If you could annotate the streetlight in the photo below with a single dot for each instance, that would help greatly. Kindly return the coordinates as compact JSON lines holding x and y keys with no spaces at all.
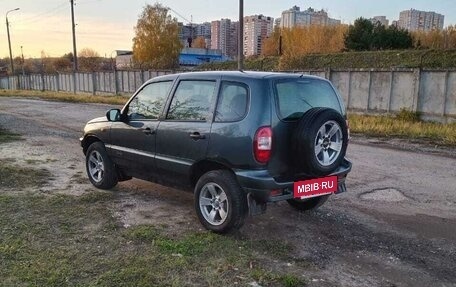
{"x":9,"y":40}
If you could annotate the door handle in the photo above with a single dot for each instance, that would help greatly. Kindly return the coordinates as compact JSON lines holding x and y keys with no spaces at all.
{"x":197,"y":136}
{"x":148,"y":131}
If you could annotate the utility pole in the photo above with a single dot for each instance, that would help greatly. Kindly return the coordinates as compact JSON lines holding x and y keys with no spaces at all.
{"x":73,"y":27}
{"x":75,"y":52}
{"x":23,"y":62}
{"x":241,"y":36}
{"x":9,"y":41}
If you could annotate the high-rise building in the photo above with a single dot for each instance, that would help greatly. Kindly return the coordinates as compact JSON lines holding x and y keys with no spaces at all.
{"x":295,"y":17}
{"x":204,"y":30}
{"x":186,"y":34}
{"x":256,"y":29}
{"x":189,"y":32}
{"x":224,"y":35}
{"x":415,"y":20}
{"x":380,"y":19}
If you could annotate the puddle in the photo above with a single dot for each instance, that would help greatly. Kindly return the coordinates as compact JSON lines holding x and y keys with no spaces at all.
{"x":384,"y":194}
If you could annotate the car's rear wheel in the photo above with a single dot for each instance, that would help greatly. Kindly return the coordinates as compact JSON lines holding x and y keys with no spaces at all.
{"x":220,"y":203}
{"x":308,"y":204}
{"x":100,"y":169}
{"x":320,"y":141}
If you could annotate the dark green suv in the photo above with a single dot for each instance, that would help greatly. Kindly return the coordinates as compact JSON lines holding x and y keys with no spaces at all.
{"x":237,"y":139}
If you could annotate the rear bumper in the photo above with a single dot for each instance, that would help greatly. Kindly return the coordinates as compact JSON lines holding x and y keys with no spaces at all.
{"x":260,"y":183}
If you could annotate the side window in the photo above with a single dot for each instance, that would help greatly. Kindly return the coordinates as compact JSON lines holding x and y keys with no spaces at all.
{"x":149,"y":102}
{"x":191,"y":101}
{"x":232,"y":103}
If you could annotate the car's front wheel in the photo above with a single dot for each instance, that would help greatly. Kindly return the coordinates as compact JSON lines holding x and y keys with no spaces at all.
{"x":220,"y":203}
{"x":100,"y":169}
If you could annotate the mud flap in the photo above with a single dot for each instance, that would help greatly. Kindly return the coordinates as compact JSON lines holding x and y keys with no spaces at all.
{"x":255,"y":208}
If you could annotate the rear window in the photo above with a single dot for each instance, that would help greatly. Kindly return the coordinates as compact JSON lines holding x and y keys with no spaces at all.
{"x":297,"y":96}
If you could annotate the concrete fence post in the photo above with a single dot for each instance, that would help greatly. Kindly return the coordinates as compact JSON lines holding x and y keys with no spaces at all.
{"x":142,"y":77}
{"x":94,"y":83}
{"x":74,"y":83}
{"x":116,"y":82}
{"x":417,"y":89}
{"x":328,"y":74}
{"x":43,"y":88}
{"x":369,"y":88}
{"x":57,"y":82}
{"x":349,"y":88}
{"x":446,"y":89}
{"x":391,"y":90}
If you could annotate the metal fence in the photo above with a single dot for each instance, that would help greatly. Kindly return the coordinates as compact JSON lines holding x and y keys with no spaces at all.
{"x":431,"y":92}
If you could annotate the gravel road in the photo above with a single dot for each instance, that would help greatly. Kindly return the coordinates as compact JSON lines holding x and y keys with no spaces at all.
{"x":396,"y":225}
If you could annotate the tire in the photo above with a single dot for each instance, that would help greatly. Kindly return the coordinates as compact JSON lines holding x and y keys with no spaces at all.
{"x":308,"y":204}
{"x":319,"y":142}
{"x":101,"y":170}
{"x":220,"y":203}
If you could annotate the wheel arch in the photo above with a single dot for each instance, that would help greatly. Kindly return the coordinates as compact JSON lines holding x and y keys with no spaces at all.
{"x":87,"y":141}
{"x":202,"y":167}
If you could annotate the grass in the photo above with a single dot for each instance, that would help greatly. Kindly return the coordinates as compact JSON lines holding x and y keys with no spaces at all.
{"x":16,"y":176}
{"x":435,"y":59}
{"x":19,"y":177}
{"x":405,"y":125}
{"x":62,"y":240}
{"x":66,"y":97}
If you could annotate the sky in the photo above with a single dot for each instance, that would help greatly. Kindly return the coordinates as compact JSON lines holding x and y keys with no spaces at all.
{"x":44,"y":26}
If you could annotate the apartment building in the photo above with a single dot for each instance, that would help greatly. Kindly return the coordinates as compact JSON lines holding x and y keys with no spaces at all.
{"x":380,"y":19}
{"x":415,"y":20}
{"x":256,"y":29}
{"x":295,"y":17}
{"x":224,"y":36}
{"x":189,"y":32}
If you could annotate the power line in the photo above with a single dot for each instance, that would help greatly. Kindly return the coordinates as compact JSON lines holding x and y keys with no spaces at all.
{"x":40,"y":16}
{"x":178,"y":14}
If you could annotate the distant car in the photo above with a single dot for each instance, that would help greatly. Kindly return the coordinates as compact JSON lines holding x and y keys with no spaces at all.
{"x":239,"y":140}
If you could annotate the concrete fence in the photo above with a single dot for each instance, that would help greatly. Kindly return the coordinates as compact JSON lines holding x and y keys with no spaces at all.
{"x":116,"y":82}
{"x":431,"y":92}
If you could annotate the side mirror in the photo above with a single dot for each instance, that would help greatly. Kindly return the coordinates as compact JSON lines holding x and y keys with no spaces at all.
{"x":113,"y":115}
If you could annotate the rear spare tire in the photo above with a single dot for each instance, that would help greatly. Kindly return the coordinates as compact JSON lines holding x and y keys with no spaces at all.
{"x":319,"y":142}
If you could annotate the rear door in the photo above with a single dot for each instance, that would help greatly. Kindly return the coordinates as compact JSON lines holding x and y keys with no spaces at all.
{"x":133,"y":140}
{"x":184,"y":134}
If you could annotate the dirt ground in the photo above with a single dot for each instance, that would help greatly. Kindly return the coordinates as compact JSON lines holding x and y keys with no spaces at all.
{"x":396,"y":225}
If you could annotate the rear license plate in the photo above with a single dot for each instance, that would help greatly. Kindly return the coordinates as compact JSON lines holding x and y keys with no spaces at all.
{"x":315,"y":187}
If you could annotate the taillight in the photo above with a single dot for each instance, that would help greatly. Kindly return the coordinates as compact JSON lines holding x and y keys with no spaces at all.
{"x":262,"y":144}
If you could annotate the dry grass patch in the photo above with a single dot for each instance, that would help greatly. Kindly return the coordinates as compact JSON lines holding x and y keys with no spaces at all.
{"x":404,"y":127}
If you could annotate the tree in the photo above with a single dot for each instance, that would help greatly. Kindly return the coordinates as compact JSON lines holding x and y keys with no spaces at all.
{"x":199,"y":43}
{"x":436,"y":39}
{"x":89,"y":60}
{"x":300,"y":41}
{"x":156,"y":44}
{"x":63,"y":64}
{"x":365,"y":36}
{"x":272,"y":43}
{"x":360,"y":35}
